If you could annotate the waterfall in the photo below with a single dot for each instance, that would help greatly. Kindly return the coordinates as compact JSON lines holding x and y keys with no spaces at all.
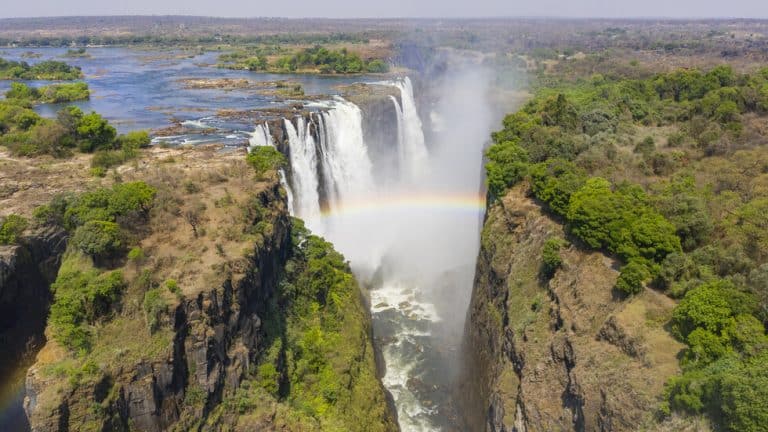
{"x":261,"y":137}
{"x":414,"y":155}
{"x":383,"y":231}
{"x":305,"y":188}
{"x":346,"y":161}
{"x":401,"y":157}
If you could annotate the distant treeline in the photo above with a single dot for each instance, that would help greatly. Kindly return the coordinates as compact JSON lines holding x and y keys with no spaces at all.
{"x":139,"y":39}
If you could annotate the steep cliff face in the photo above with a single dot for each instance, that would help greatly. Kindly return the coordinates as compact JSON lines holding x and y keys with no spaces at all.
{"x":185,"y":359}
{"x":26,"y":273}
{"x":563,"y":353}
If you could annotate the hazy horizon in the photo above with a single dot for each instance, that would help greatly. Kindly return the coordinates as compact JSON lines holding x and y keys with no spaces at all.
{"x":685,"y":9}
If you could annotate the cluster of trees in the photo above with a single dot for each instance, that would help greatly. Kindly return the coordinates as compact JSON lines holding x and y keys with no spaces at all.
{"x":692,"y":223}
{"x":99,"y":222}
{"x":317,"y":58}
{"x":55,"y":93}
{"x":26,"y":133}
{"x":45,"y":70}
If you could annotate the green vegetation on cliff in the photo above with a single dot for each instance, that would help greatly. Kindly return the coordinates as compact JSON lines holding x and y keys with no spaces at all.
{"x":318,"y":364}
{"x":85,"y":290}
{"x":47,"y":70}
{"x":668,"y":174}
{"x":11,"y":228}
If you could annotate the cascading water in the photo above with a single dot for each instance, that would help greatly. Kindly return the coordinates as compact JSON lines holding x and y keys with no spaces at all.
{"x":413,"y":150}
{"x":306,"y":196}
{"x":400,"y":236}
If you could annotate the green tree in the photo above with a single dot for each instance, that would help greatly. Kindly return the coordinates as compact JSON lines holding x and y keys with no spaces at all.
{"x":550,"y":256}
{"x":266,"y":158}
{"x":633,"y":277}
{"x":11,"y":228}
{"x":95,"y":133}
{"x":507,"y":165}
{"x":98,"y":239}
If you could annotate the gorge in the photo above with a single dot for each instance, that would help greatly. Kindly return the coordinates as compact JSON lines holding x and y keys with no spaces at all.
{"x":471,"y":225}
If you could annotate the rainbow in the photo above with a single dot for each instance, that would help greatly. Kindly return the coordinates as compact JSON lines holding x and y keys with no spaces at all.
{"x":409,"y":202}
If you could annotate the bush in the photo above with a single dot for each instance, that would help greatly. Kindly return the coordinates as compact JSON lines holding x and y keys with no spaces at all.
{"x":172,"y":286}
{"x":550,"y":256}
{"x":136,"y":254}
{"x":98,"y":239}
{"x":82,"y":296}
{"x":620,"y":221}
{"x":155,"y":306}
{"x":507,"y":165}
{"x":555,"y":181}
{"x":633,"y":277}
{"x":377,"y":66}
{"x":11,"y":228}
{"x":266,"y":158}
{"x":710,"y":307}
{"x":95,"y":133}
{"x":133,"y":140}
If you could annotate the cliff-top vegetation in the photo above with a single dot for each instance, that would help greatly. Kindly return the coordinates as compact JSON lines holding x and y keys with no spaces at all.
{"x":668,"y":174}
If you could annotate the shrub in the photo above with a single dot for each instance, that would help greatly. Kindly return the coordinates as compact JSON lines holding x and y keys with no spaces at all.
{"x":11,"y":228}
{"x":98,"y":239}
{"x":82,"y":296}
{"x":95,"y":133}
{"x":377,"y":66}
{"x":710,"y":306}
{"x":133,"y":141}
{"x":269,"y":378}
{"x":266,"y":158}
{"x":132,"y":197}
{"x":172,"y":286}
{"x":620,"y":221}
{"x":507,"y":164}
{"x":550,"y":256}
{"x":555,"y":181}
{"x":136,"y":254}
{"x":155,"y":305}
{"x":633,"y":277}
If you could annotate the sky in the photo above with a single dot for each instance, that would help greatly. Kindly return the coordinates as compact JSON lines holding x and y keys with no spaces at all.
{"x":392,"y":8}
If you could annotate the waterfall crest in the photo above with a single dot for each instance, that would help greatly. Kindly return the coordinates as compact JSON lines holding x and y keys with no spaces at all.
{"x":413,"y":150}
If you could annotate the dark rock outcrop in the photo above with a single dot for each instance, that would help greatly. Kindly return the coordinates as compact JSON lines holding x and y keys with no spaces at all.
{"x":26,"y":273}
